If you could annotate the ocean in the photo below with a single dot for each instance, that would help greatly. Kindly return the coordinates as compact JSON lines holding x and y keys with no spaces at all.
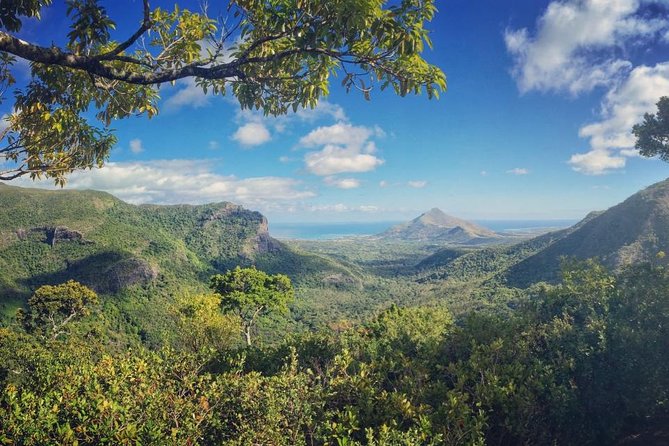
{"x":333,"y":231}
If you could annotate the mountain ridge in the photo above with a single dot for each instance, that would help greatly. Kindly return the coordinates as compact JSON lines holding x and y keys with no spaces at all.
{"x":633,"y":231}
{"x":50,"y":236}
{"x":437,"y":226}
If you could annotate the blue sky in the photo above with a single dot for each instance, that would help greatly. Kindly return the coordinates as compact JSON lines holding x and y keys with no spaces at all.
{"x":534,"y":125}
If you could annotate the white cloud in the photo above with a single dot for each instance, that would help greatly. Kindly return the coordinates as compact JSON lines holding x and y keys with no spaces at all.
{"x":252,"y":134}
{"x":574,"y":44}
{"x":340,"y":208}
{"x":324,"y":110}
{"x":333,"y":160}
{"x":484,"y":173}
{"x":340,"y":134}
{"x":596,"y":162}
{"x":342,"y":183}
{"x":213,"y":145}
{"x":180,"y":181}
{"x":187,"y":95}
{"x":518,"y":171}
{"x":383,"y":183}
{"x":611,"y":140}
{"x":418,"y":184}
{"x":136,"y":146}
{"x":345,"y":148}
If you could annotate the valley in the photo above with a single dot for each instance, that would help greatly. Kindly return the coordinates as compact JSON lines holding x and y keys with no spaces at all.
{"x":392,"y":316}
{"x":125,"y":251}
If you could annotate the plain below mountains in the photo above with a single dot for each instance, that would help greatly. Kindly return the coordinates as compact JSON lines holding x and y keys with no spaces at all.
{"x":634,"y":231}
{"x":435,"y":226}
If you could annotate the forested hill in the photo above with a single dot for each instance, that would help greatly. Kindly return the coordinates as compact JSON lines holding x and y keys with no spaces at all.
{"x":48,"y":237}
{"x":634,"y":231}
{"x":436,"y":226}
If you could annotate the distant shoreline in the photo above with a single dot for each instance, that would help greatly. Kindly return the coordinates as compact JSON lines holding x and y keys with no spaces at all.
{"x":345,"y":230}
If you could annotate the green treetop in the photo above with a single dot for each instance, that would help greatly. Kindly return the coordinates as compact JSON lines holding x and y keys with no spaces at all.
{"x":53,"y":307}
{"x":250,"y":293}
{"x":652,"y":136}
{"x":272,"y":55}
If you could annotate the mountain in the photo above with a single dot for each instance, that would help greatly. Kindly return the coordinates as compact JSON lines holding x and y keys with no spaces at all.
{"x":633,"y":231}
{"x":436,"y":226}
{"x":48,"y":237}
{"x":488,"y":264}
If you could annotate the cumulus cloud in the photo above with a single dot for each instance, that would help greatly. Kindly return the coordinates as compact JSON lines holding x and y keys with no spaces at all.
{"x":518,"y":171}
{"x":611,"y":140}
{"x":573,"y":48}
{"x":324,"y":109}
{"x":188,"y":95}
{"x":332,"y":160}
{"x":342,"y":183}
{"x":418,"y":184}
{"x":345,"y":148}
{"x":255,"y":128}
{"x":252,"y":134}
{"x":596,"y":162}
{"x":340,"y":208}
{"x":136,"y":146}
{"x":181,"y":181}
{"x":280,"y":124}
{"x":340,"y":134}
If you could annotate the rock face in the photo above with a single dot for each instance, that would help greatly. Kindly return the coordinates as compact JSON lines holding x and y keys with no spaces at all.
{"x":62,"y":234}
{"x":52,"y":234}
{"x":263,"y":243}
{"x":436,"y":226}
{"x":126,"y":273}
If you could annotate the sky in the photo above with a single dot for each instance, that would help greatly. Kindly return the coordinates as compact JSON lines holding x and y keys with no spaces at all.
{"x":535,"y":124}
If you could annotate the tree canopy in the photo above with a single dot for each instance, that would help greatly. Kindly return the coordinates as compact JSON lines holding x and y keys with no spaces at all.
{"x":272,"y":55}
{"x":652,"y":135}
{"x":250,"y":293}
{"x":53,"y":307}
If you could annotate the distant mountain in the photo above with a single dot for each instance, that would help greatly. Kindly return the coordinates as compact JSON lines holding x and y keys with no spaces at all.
{"x":48,"y":237}
{"x":436,"y":226}
{"x":488,"y":264}
{"x":635,"y":230}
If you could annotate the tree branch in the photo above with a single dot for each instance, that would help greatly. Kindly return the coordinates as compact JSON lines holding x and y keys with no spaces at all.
{"x":146,"y":25}
{"x":94,"y":65}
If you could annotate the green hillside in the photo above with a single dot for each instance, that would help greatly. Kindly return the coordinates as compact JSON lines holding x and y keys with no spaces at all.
{"x":120,"y":249}
{"x":631,"y":232}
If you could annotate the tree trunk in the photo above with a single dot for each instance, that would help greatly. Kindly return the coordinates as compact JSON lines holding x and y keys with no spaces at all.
{"x":247,"y":335}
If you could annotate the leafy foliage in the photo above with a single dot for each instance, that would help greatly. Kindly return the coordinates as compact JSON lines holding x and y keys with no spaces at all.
{"x":51,"y":308}
{"x":652,"y":135}
{"x":271,"y":55}
{"x":581,"y":363}
{"x":251,"y":293}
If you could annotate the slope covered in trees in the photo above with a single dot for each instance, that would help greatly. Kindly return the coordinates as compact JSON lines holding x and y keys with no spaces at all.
{"x":580,"y":363}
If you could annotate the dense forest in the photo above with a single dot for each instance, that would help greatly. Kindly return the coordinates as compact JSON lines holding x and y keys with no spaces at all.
{"x":582,"y":362}
{"x":346,"y":342}
{"x":124,"y":324}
